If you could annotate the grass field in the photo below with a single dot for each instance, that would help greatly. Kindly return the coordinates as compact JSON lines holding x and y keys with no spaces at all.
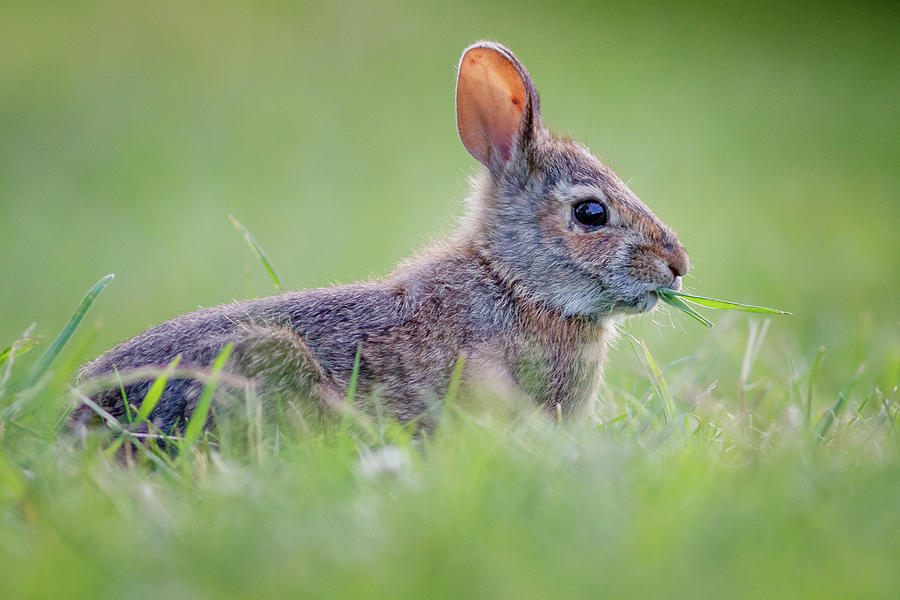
{"x":757,"y":459}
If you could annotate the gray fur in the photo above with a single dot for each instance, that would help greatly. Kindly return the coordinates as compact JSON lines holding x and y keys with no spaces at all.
{"x":527,"y":295}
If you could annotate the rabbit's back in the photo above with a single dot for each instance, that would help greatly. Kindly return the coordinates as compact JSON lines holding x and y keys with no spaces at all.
{"x":409,"y":330}
{"x":330,"y":319}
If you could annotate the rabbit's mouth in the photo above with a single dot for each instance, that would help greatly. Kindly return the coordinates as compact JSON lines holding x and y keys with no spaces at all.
{"x":647,"y":300}
{"x":643,"y":303}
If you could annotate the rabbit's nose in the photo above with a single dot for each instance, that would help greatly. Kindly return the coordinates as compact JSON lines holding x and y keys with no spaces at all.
{"x":678,"y":263}
{"x":676,"y":271}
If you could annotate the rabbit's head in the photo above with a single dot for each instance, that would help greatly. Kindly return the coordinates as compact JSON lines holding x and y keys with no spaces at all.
{"x":548,"y":215}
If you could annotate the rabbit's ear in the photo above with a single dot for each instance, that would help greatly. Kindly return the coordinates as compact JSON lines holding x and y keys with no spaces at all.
{"x":497,"y":106}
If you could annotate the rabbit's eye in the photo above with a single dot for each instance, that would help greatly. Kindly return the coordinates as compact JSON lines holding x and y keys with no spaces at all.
{"x":592,"y":213}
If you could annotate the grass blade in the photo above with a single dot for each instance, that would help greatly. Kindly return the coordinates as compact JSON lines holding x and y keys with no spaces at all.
{"x":813,"y":378}
{"x":672,"y":300}
{"x":751,"y":350}
{"x":46,"y":359}
{"x":257,"y":249}
{"x":351,"y":391}
{"x":455,"y":380}
{"x":828,"y":418}
{"x":128,"y":414}
{"x":13,"y":350}
{"x":198,"y":419}
{"x":659,"y":382}
{"x":156,"y":390}
{"x":354,"y":375}
{"x":726,"y":305}
{"x":11,"y":358}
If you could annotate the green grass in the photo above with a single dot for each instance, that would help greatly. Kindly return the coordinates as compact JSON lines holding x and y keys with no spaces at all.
{"x":756,"y":459}
{"x":675,"y":486}
{"x":257,"y":250}
{"x":677,"y":299}
{"x":41,"y":367}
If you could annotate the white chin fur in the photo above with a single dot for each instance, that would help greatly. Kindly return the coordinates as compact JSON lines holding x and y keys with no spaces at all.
{"x":585,"y":305}
{"x":644,"y":304}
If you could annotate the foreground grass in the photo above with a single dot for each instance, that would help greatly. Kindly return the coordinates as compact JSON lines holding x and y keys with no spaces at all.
{"x":764,"y":485}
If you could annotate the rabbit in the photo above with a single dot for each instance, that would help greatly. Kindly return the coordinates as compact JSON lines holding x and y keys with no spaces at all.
{"x":553,"y":251}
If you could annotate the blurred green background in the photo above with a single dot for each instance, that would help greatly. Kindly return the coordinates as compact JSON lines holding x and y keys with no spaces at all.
{"x":768,"y":137}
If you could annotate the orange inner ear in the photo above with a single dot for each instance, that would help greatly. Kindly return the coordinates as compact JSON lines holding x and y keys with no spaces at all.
{"x":490,"y":98}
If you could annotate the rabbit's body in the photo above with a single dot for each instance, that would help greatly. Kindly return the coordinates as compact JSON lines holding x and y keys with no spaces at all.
{"x":410,"y":328}
{"x":554,"y":247}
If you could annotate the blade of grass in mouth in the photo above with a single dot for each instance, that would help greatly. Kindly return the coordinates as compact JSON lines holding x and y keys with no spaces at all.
{"x":669,"y":298}
{"x":724,"y":304}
